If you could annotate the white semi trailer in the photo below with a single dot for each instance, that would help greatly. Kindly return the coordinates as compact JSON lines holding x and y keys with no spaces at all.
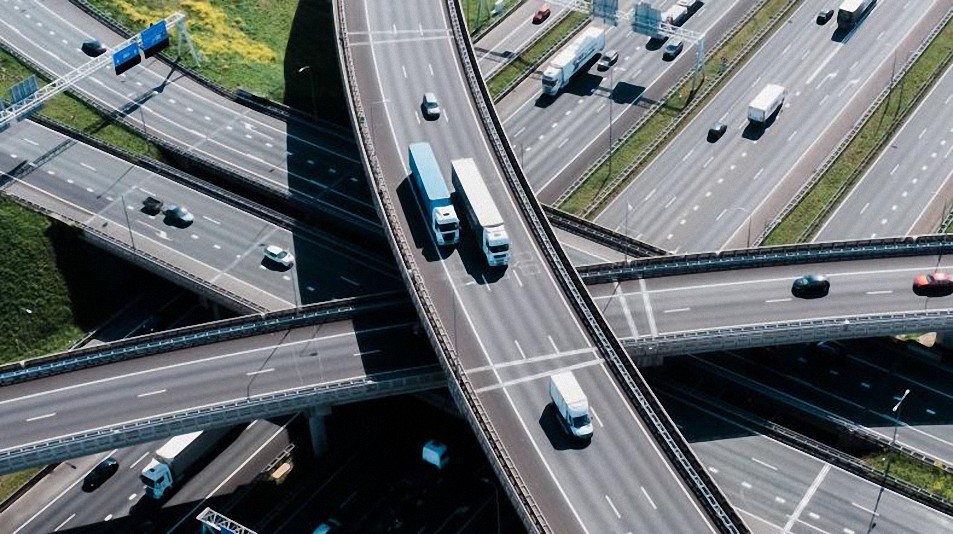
{"x":766,"y":104}
{"x":570,"y":60}
{"x":173,"y":461}
{"x":484,"y":218}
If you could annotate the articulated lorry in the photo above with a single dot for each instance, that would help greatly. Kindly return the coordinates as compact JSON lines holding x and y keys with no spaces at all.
{"x":678,"y":14}
{"x":571,"y":59}
{"x":766,"y":104}
{"x":482,"y":215}
{"x":571,"y":404}
{"x":172,"y":463}
{"x":433,"y":195}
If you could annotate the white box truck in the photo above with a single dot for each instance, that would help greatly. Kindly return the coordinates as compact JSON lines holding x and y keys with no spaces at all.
{"x":485,"y":220}
{"x":569,"y":60}
{"x":172,"y":462}
{"x":571,"y":404}
{"x":766,"y":104}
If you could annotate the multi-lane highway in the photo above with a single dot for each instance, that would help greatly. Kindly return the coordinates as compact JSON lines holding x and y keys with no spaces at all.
{"x":559,"y":138}
{"x":221,"y":248}
{"x":286,"y":157}
{"x":512,"y":329}
{"x":511,"y":35}
{"x":698,"y":195}
{"x":907,"y":188}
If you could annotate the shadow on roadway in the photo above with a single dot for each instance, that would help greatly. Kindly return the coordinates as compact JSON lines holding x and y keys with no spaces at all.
{"x":753,"y":132}
{"x":419,"y":229}
{"x":558,"y":437}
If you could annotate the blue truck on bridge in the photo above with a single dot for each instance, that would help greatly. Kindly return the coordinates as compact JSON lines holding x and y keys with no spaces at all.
{"x":433,"y":196}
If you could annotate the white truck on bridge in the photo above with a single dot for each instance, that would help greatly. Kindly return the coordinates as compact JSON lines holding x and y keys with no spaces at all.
{"x":571,"y":404}
{"x":171,"y":465}
{"x":484,"y":218}
{"x":766,"y":104}
{"x":570,"y":60}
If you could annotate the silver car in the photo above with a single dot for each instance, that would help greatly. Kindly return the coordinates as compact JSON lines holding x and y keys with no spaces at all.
{"x":430,"y":106}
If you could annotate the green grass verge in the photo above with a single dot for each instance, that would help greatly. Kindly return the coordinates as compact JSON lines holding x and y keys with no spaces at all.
{"x":931,"y":479}
{"x":534,"y":54}
{"x":12,"y":482}
{"x":881,"y":126}
{"x":69,"y":110}
{"x":478,"y":18}
{"x":625,"y":154}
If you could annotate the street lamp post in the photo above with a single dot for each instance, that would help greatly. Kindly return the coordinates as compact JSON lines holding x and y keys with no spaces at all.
{"x":125,"y":211}
{"x":893,"y":441}
{"x":748,"y":218}
{"x":314,"y":105}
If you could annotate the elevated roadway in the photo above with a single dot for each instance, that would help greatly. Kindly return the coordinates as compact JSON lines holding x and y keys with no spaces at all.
{"x":698,"y":195}
{"x":291,"y":159}
{"x":500,"y":334}
{"x":498,"y":46}
{"x":907,"y":188}
{"x":218,"y":255}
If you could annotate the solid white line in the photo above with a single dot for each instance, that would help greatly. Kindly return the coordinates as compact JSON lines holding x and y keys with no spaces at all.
{"x":156,"y":392}
{"x":37,"y":418}
{"x":263,"y":371}
{"x":63,"y":524}
{"x":807,"y":497}
{"x":626,"y":312}
{"x":614,"y":509}
{"x":537,"y":376}
{"x":534,"y":359}
{"x":649,"y":314}
{"x":649,"y":498}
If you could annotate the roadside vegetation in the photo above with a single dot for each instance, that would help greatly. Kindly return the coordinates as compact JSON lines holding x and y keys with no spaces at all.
{"x":736,"y":48}
{"x":478,"y":16}
{"x":520,"y":67}
{"x":931,"y":479}
{"x":802,"y":222}
{"x":10,"y":483}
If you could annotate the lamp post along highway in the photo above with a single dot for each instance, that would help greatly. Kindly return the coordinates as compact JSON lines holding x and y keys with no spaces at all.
{"x":314,"y":105}
{"x":893,"y":441}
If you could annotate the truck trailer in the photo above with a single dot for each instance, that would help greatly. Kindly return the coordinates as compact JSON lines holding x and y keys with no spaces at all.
{"x":571,"y":404}
{"x":766,"y":104}
{"x":570,"y":60}
{"x":433,"y":195}
{"x":173,"y":461}
{"x":482,"y":215}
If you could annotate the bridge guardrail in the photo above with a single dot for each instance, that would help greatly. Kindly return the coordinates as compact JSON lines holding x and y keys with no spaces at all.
{"x":189,"y":336}
{"x":601,"y":235}
{"x":706,"y":262}
{"x":643,"y":400}
{"x":223,"y":414}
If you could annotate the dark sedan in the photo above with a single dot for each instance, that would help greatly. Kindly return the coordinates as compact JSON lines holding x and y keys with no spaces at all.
{"x":811,"y":286}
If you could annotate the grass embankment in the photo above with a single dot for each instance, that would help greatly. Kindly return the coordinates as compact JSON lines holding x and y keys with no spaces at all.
{"x":627,"y":153}
{"x":69,"y":110}
{"x":885,"y":121}
{"x":12,"y":482}
{"x":534,"y":54}
{"x":931,"y":479}
{"x":478,"y":18}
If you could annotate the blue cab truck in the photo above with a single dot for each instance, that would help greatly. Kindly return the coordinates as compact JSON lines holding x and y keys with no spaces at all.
{"x":433,"y":196}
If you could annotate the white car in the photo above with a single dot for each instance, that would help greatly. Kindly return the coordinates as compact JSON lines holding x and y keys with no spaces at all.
{"x":279,"y":255}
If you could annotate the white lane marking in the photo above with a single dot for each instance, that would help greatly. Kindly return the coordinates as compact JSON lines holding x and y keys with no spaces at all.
{"x":90,"y":167}
{"x":882,"y":292}
{"x":37,"y":418}
{"x":772,"y":301}
{"x":649,"y":498}
{"x":211,"y":220}
{"x":348,"y":280}
{"x":746,"y":485}
{"x":868,"y":510}
{"x":263,"y":371}
{"x":519,"y":348}
{"x":765,"y":464}
{"x":63,"y":524}
{"x":614,"y":509}
{"x":596,"y":417}
{"x":133,"y":496}
{"x":537,"y":376}
{"x":151,"y":393}
{"x":34,"y":143}
{"x":553,"y":343}
{"x":650,"y":315}
{"x":625,"y":311}
{"x":676,"y":310}
{"x":141,"y":458}
{"x":807,"y":497}
{"x":403,"y":68}
{"x":517,"y":276}
{"x":533,"y":359}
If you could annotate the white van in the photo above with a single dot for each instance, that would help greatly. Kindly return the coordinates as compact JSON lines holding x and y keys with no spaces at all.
{"x":571,"y":404}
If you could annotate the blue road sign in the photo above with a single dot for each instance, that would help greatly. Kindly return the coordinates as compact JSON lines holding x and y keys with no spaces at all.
{"x":23,"y":90}
{"x":607,"y":10}
{"x":154,"y":39}
{"x":645,"y":19}
{"x":125,"y":58}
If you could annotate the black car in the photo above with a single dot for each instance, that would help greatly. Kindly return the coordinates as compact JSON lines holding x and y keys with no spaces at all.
{"x":152,"y":205}
{"x":672,"y":50}
{"x":824,"y":15}
{"x":93,"y":48}
{"x":100,"y":474}
{"x":716,"y":131}
{"x":811,"y":286}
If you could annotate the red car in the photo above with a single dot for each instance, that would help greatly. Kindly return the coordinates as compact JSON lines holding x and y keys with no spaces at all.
{"x":933,"y":285}
{"x":542,"y":14}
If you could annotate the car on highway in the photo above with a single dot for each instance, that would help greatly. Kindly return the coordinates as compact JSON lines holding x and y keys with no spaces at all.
{"x":152,"y":205}
{"x":811,"y":286}
{"x":430,"y":106}
{"x":178,"y":216}
{"x":279,"y":255}
{"x":673,"y":49}
{"x":93,"y":48}
{"x":716,"y":131}
{"x":100,"y":474}
{"x":933,"y":285}
{"x":608,"y":59}
{"x":824,"y":15}
{"x":542,"y":14}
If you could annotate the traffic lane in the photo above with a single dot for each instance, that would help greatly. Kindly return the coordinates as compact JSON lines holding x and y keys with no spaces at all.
{"x":639,"y":74}
{"x":909,"y":175}
{"x":512,"y":35}
{"x":701,"y":301}
{"x":736,"y":172}
{"x":199,"y":381}
{"x":604,"y":498}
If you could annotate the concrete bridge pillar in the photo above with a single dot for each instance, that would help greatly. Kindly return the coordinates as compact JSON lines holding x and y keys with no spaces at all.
{"x":318,"y":429}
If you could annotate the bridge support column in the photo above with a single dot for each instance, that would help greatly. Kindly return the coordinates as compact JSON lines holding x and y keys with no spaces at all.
{"x":319,"y":432}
